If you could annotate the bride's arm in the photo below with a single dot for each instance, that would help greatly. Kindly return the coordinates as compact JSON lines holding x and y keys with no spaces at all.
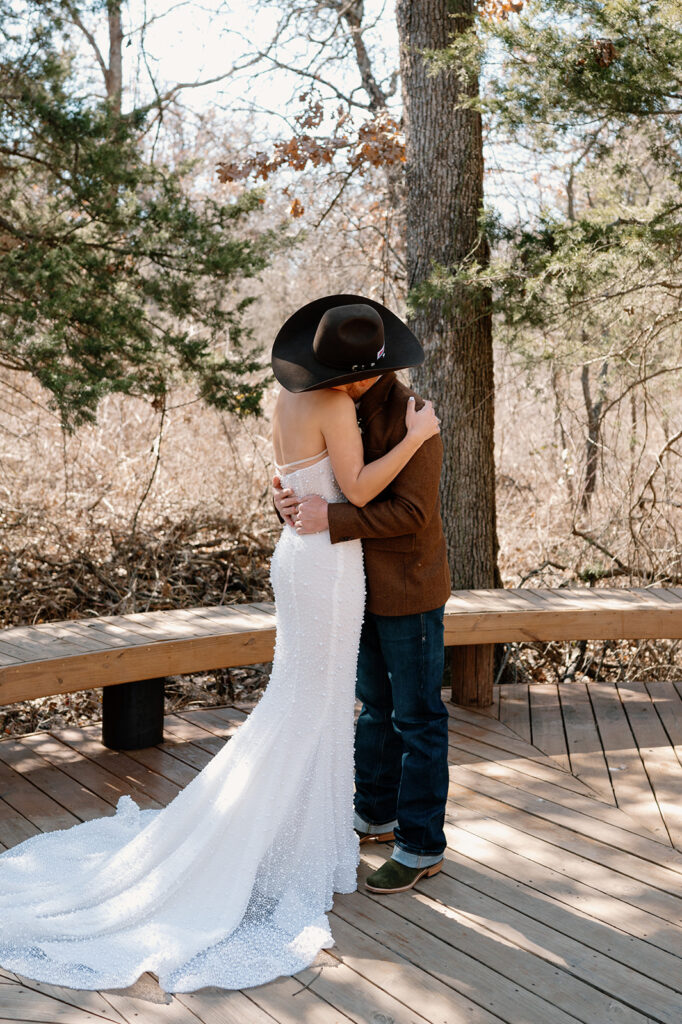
{"x":359,"y":482}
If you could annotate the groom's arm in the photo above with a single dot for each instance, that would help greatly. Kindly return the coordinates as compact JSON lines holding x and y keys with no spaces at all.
{"x":413,"y":496}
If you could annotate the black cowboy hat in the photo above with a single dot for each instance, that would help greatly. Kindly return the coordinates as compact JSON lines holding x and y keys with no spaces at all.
{"x":338,"y":339}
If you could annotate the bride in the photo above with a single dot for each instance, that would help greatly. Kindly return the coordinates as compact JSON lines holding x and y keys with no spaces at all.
{"x":230,"y":883}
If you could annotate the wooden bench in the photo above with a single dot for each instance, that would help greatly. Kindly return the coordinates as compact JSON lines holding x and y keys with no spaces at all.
{"x":130,"y":655}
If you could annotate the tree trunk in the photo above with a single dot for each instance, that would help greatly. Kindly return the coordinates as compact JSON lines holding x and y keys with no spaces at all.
{"x":444,"y":183}
{"x":114,"y":77}
{"x":592,"y":441}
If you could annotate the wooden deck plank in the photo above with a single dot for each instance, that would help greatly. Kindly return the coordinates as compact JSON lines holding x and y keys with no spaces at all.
{"x":584,"y":743}
{"x":167,"y":626}
{"x":532,"y":953}
{"x":67,"y":637}
{"x":466,"y":719}
{"x":660,"y":761}
{"x":585,"y":812}
{"x":129,"y":770}
{"x":623,"y":596}
{"x":93,"y":1007}
{"x":159,"y":760}
{"x":483,"y":756}
{"x":56,"y":641}
{"x":182,"y":731}
{"x":112,"y":633}
{"x":289,"y":1002}
{"x":672,"y":595}
{"x":614,"y":839}
{"x":533,"y":596}
{"x":390,"y":972}
{"x":628,"y":776}
{"x":210,"y":1006}
{"x":459,"y":970}
{"x":529,"y":894}
{"x":512,"y":598}
{"x":223,"y":722}
{"x":14,"y":827}
{"x":573,"y":882}
{"x":349,"y":992}
{"x":484,"y":717}
{"x":593,"y":597}
{"x":22,"y":1004}
{"x":547,"y":727}
{"x":550,"y":845}
{"x":597,"y":919}
{"x":66,"y":792}
{"x":668,"y":705}
{"x":188,"y":622}
{"x":145,"y":1003}
{"x":491,"y":747}
{"x":218,"y":1006}
{"x":95,"y":778}
{"x":515,"y":710}
{"x":30,"y":801}
{"x":19,"y":651}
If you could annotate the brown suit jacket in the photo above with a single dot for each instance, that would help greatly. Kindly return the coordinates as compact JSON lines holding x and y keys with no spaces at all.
{"x":401,"y":529}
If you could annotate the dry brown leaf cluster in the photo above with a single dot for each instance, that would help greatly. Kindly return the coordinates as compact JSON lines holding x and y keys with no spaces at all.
{"x":499,"y":10}
{"x":378,"y":142}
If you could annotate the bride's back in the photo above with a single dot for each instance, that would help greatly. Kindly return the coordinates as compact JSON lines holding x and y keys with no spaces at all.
{"x":298,"y":424}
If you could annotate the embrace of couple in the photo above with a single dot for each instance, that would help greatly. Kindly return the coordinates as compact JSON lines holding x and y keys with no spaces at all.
{"x":229,"y":885}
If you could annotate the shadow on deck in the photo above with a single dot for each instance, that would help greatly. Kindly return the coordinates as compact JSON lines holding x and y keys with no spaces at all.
{"x":560,"y":898}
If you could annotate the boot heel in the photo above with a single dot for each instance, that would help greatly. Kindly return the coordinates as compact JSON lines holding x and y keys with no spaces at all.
{"x":434,"y":869}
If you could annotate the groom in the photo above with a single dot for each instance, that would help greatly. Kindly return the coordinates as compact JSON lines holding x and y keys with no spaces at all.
{"x":401,"y":740}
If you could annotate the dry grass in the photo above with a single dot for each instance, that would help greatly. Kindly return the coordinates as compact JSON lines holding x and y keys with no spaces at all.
{"x":84,"y":533}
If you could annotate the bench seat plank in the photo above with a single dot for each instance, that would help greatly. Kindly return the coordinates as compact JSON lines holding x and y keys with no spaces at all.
{"x":62,"y":657}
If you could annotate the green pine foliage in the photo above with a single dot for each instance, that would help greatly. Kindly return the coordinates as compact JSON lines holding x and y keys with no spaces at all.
{"x":113,"y":278}
{"x":568,"y":66}
{"x":593,"y":90}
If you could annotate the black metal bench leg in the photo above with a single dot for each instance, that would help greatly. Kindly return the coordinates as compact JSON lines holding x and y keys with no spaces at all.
{"x":132,"y":714}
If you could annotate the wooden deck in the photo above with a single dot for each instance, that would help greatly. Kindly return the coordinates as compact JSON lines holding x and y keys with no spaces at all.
{"x":560,"y":900}
{"x":624,"y":742}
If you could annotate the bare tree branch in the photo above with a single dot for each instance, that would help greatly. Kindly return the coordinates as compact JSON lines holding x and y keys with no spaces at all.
{"x":78,"y":22}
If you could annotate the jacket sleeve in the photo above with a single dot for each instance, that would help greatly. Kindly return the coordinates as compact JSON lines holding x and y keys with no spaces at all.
{"x":411,"y":500}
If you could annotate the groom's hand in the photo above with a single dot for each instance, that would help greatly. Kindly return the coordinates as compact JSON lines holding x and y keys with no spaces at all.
{"x":286,"y":501}
{"x":312,"y":515}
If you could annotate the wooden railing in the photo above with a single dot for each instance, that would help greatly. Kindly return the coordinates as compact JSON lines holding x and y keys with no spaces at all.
{"x":130,"y":655}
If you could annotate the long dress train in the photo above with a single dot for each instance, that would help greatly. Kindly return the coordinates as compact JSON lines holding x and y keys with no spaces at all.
{"x":230,"y":883}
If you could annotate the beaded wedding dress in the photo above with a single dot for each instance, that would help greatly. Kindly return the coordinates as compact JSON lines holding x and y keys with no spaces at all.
{"x":230,"y":883}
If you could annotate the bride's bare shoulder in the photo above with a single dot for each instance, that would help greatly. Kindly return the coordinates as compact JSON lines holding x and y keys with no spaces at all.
{"x":324,"y":406}
{"x":323,"y":396}
{"x":333,"y":398}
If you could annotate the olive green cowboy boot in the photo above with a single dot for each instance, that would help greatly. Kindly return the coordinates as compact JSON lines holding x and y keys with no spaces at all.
{"x":393,"y":876}
{"x":375,"y":837}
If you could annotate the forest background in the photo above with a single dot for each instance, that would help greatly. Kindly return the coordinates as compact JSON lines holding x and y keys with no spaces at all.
{"x":176,"y":179}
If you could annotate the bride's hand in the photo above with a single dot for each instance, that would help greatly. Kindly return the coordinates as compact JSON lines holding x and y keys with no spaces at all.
{"x":421,"y":424}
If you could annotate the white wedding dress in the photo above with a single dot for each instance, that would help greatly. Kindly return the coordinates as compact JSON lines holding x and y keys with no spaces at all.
{"x":230,"y":883}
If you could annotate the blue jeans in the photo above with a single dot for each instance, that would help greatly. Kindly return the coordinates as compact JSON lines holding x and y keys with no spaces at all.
{"x":401,"y":739}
